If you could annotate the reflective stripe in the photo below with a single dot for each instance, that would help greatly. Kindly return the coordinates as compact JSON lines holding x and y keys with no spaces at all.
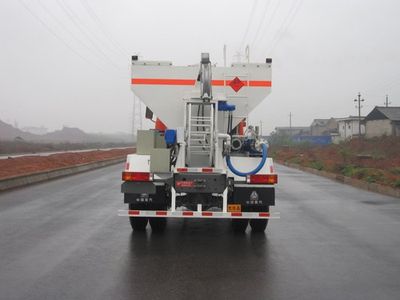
{"x":217,"y":82}
{"x":198,"y":214}
{"x":160,"y":81}
{"x":260,"y":83}
{"x":236,"y":214}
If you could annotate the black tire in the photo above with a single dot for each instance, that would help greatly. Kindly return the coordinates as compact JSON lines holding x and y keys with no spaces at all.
{"x":258,"y":225}
{"x":239,"y":225}
{"x":158,"y":224}
{"x":138,"y":223}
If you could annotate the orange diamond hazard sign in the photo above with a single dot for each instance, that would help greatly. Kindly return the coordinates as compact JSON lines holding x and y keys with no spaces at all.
{"x":236,"y":84}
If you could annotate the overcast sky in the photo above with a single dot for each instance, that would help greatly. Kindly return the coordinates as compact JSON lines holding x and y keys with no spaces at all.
{"x":66,"y":62}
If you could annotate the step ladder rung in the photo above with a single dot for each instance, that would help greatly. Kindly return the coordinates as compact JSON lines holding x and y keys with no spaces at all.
{"x":200,"y":146}
{"x":201,"y":125}
{"x":200,"y":152}
{"x":201,"y":118}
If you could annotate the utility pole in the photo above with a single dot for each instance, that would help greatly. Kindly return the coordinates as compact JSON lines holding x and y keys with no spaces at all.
{"x":238,"y":56}
{"x":260,"y":128}
{"x":290,"y":124}
{"x":224,"y":55}
{"x":387,"y":101}
{"x":247,"y":51}
{"x":359,"y":100}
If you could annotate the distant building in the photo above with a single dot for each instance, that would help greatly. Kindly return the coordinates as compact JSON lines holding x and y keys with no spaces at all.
{"x":383,"y":121}
{"x":321,"y":127}
{"x":348,"y":128}
{"x":292,"y":131}
{"x":35,"y":130}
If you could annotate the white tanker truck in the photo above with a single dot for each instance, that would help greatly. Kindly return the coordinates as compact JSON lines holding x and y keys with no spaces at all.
{"x":203,"y":164}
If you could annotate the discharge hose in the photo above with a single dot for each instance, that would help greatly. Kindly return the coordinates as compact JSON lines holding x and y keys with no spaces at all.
{"x":256,"y":170}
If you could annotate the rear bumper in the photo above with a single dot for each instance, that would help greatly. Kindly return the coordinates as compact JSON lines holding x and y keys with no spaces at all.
{"x":198,"y":214}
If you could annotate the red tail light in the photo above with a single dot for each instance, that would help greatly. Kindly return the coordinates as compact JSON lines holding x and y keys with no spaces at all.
{"x":266,"y":179}
{"x":136,"y":176}
{"x":207,"y":170}
{"x":182,"y":169}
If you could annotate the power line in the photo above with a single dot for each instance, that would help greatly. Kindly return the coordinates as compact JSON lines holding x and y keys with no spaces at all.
{"x":260,"y":25}
{"x":58,"y":37}
{"x":61,"y":24}
{"x":287,"y":22}
{"x":71,"y":15}
{"x":103,"y":29}
{"x":98,"y":37}
{"x":268,"y":25}
{"x":253,"y":9}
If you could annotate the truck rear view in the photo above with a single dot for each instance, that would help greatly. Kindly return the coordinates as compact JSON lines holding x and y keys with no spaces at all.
{"x":207,"y":162}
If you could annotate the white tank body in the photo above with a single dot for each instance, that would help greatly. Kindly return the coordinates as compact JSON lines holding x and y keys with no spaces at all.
{"x":163,"y":87}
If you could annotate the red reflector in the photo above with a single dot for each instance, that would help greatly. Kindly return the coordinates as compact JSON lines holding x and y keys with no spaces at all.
{"x":264,"y":214}
{"x":184,"y":184}
{"x":187,"y":213}
{"x":236,"y":214}
{"x":182,"y":169}
{"x":161,"y":213}
{"x":136,"y":176}
{"x":133,"y":212}
{"x":207,"y":170}
{"x":207,"y":213}
{"x":268,"y":179}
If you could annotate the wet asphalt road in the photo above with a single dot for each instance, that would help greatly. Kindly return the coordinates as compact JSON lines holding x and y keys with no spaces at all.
{"x":63,"y":240}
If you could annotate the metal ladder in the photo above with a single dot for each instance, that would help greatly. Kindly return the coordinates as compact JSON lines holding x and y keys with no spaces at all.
{"x":200,"y":130}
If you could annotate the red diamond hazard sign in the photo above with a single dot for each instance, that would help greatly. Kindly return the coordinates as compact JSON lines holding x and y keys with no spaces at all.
{"x":236,"y":84}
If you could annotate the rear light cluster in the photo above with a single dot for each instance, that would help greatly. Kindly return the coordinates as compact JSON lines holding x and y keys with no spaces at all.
{"x":137,"y":176}
{"x":261,"y":178}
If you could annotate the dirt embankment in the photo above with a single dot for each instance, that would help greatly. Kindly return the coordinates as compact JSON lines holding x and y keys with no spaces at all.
{"x":25,"y":147}
{"x":31,"y":164}
{"x":374,"y":160}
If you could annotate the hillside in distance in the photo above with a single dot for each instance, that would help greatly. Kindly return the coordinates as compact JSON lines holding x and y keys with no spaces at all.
{"x":64,"y":135}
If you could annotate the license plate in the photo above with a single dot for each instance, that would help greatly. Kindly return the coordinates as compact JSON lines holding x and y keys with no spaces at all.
{"x":185,"y":184}
{"x":234,"y":207}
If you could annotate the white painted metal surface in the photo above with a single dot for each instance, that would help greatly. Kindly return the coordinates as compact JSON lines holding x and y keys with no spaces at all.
{"x":137,"y":163}
{"x":162,"y":87}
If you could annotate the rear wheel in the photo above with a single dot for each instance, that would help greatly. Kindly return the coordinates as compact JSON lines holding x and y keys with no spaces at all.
{"x":258,"y":225}
{"x":158,"y":224}
{"x":137,"y":223}
{"x":239,"y":225}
